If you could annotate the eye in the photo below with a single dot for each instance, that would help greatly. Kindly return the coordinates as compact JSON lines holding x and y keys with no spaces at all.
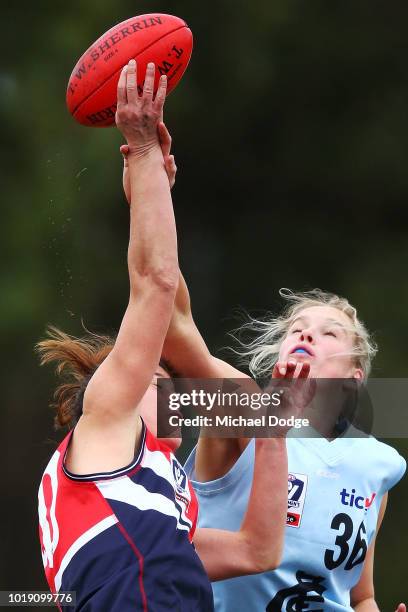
{"x":330,"y":333}
{"x":296,"y":331}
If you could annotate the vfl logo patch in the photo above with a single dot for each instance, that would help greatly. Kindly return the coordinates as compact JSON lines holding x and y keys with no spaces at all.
{"x":180,"y":478}
{"x":297,"y":485}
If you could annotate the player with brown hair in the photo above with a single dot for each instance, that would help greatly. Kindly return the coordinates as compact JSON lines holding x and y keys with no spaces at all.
{"x":117,"y":512}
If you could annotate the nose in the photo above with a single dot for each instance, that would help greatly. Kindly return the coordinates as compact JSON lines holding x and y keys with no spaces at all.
{"x":306,"y":336}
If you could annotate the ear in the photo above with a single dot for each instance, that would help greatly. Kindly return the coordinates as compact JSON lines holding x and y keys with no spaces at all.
{"x":358,"y":374}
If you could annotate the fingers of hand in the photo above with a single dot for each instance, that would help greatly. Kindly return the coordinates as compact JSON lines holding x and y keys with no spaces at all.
{"x":149,"y":82}
{"x":170,"y":164}
{"x":161,"y":93}
{"x":131,"y":82}
{"x":165,"y":139}
{"x":121,"y":92}
{"x":279,"y":370}
{"x":171,"y":169}
{"x":124,"y":149}
{"x":298,"y":370}
{"x":290,"y":369}
{"x":305,"y":371}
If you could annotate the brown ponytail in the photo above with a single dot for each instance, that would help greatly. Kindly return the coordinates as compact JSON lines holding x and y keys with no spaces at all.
{"x":77,"y":359}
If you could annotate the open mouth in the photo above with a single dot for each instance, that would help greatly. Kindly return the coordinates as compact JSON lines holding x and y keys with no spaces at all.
{"x":302,"y":350}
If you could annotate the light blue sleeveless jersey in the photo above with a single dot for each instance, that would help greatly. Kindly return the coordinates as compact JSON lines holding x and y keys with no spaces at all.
{"x":334,"y":496}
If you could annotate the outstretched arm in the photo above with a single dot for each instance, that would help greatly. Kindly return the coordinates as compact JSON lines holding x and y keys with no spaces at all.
{"x":257,"y":546}
{"x":106,"y":434}
{"x":185,"y":349}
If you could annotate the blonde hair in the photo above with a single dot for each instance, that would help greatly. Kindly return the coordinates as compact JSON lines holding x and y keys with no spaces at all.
{"x":261,"y":352}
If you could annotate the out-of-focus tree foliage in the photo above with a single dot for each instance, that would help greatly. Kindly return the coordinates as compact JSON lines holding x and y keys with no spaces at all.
{"x":291,"y":137}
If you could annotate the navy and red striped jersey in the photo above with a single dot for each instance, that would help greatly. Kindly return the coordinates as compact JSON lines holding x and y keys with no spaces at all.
{"x":123,"y":540}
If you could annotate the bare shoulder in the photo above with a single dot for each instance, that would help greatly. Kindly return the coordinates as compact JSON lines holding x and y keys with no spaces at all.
{"x":96,"y":447}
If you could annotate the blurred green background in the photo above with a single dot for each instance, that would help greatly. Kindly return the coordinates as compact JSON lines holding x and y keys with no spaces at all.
{"x":291,"y":137}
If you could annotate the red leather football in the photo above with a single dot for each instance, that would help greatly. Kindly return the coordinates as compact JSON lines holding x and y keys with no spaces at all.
{"x":163,"y":39}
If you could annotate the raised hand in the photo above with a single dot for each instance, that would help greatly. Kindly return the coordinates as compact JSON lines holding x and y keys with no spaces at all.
{"x":291,"y":369}
{"x":299,"y":389}
{"x":137,"y":117}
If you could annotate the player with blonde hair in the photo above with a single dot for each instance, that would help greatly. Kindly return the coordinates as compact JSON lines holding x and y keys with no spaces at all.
{"x":337,"y":485}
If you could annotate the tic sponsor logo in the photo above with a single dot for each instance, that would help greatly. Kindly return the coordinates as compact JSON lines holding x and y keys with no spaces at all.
{"x":356,"y":501}
{"x":297,"y":485}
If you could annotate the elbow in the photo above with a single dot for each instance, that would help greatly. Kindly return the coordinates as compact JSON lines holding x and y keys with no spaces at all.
{"x":163,"y":278}
{"x":261,"y":560}
{"x":265,"y":563}
{"x":363,"y":601}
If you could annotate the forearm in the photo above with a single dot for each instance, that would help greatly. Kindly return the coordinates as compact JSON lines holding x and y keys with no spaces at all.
{"x":153,"y":243}
{"x":184,"y":346}
{"x":257,"y":546}
{"x":265,"y":519}
{"x":223,"y":553}
{"x":182,"y":303}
